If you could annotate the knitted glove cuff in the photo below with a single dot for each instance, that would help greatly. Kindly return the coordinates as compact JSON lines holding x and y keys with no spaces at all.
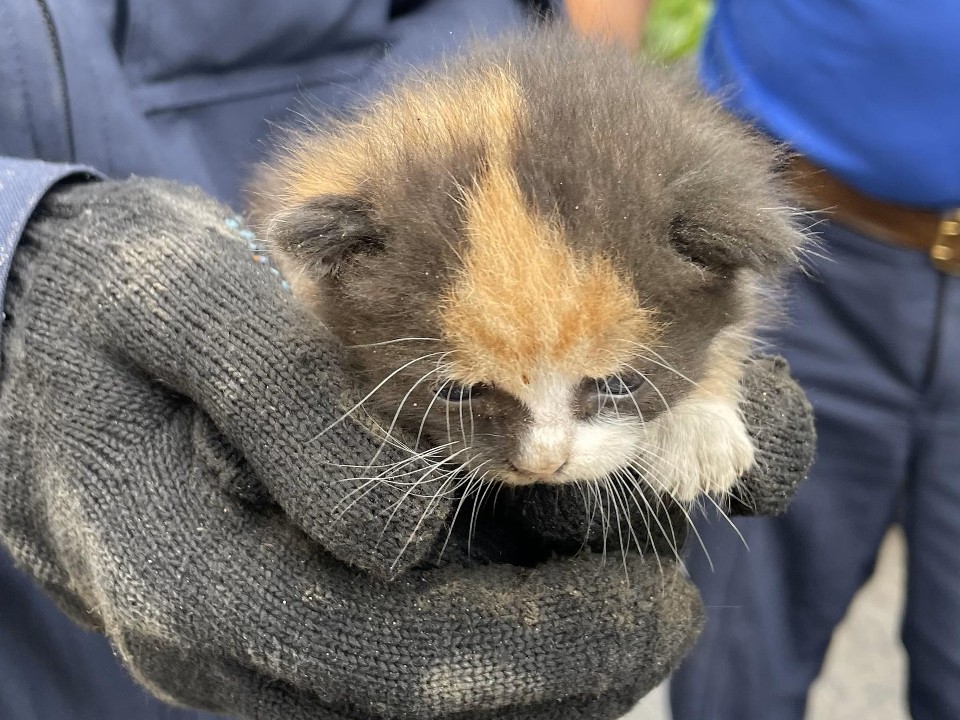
{"x":780,"y":420}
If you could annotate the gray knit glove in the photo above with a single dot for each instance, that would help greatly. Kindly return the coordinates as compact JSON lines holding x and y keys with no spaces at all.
{"x":163,"y":476}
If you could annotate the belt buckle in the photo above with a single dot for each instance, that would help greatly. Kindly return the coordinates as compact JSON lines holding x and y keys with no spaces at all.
{"x":945,"y":251}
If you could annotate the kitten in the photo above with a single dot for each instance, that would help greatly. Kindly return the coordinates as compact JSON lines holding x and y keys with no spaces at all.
{"x":547,"y":260}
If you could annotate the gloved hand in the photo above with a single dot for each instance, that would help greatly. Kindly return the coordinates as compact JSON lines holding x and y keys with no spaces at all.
{"x":163,"y":475}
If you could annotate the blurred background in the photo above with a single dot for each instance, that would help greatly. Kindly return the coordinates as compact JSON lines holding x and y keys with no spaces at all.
{"x":674,"y":27}
{"x":865,"y":671}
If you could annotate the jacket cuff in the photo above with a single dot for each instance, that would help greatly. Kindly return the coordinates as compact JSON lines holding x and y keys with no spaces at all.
{"x":23,"y":183}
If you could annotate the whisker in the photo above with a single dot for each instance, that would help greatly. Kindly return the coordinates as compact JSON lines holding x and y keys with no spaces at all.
{"x":651,"y":478}
{"x":468,"y":481}
{"x":582,"y":487}
{"x":728,"y":520}
{"x":666,"y":405}
{"x":391,"y":342}
{"x":422,"y":479}
{"x":416,"y":528}
{"x":403,"y":402}
{"x":661,"y":362}
{"x":477,"y":503}
{"x":415,"y":456}
{"x":591,"y":486}
{"x":624,"y":546}
{"x":426,"y":412}
{"x":652,"y":514}
{"x":470,"y":410}
{"x":371,"y":394}
{"x":463,"y":431}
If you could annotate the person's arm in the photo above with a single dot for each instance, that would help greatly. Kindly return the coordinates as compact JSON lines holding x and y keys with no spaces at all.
{"x":619,"y":21}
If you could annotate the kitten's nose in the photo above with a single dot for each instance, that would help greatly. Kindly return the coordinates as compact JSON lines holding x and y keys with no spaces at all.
{"x":539,"y":467}
{"x":543,"y":451}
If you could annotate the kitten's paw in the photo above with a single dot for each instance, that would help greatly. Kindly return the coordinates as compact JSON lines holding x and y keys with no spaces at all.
{"x":703,"y":448}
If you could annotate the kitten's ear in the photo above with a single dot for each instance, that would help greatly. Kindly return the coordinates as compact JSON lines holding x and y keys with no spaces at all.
{"x":321,"y":235}
{"x":766,"y":250}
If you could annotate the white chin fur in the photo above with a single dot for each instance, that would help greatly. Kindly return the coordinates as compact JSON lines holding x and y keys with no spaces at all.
{"x":700,"y":446}
{"x":600,"y":448}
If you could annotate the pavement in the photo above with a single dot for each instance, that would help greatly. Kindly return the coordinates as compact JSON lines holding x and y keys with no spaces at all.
{"x":865,"y":670}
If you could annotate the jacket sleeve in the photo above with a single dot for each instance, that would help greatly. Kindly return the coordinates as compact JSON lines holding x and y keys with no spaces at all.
{"x":428,"y":31}
{"x":23,"y":183}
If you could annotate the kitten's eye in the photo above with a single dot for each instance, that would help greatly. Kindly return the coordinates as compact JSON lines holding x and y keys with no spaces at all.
{"x":620,"y":386}
{"x":455,"y":392}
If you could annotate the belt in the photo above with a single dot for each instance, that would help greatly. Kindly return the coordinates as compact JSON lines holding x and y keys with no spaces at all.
{"x":934,"y":233}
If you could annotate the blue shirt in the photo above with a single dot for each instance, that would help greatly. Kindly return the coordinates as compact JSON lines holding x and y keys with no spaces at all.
{"x":869,"y":89}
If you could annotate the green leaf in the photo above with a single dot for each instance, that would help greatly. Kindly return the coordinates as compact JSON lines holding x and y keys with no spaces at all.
{"x":675,"y":27}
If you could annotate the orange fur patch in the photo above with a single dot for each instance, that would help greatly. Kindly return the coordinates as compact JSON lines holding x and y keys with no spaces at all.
{"x":525,"y":304}
{"x":430,"y":115}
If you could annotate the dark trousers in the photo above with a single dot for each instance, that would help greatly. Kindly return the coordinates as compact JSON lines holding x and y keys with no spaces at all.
{"x":873,"y":336}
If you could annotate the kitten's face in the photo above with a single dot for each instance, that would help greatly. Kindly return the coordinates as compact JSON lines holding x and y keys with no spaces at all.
{"x":547,"y":276}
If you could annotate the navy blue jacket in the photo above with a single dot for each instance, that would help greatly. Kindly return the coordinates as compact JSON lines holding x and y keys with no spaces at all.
{"x":183,"y":89}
